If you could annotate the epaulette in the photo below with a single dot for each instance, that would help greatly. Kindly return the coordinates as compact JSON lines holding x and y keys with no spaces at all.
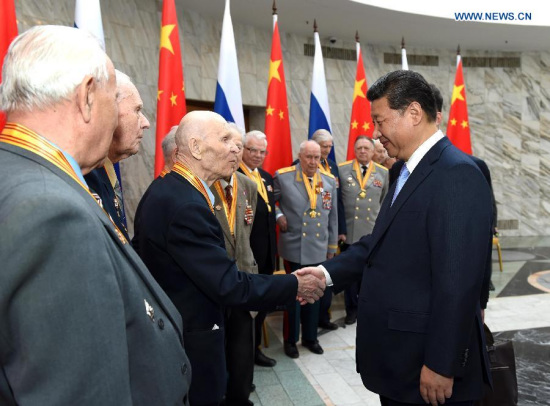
{"x":380,"y":166}
{"x":330,"y":175}
{"x":285,"y":170}
{"x":346,"y":163}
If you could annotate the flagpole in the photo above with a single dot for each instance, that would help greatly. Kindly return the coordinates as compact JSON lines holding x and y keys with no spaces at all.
{"x":404,"y":63}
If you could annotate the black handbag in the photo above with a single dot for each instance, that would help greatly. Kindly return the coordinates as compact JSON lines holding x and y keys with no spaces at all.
{"x":503,"y":371}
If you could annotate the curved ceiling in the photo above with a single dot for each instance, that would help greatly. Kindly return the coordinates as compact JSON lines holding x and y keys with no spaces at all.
{"x":376,"y":25}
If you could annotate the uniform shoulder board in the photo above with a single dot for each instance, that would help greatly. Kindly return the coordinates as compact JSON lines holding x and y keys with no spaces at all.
{"x":285,"y":170}
{"x":330,"y":175}
{"x":346,"y":163}
{"x":380,"y":166}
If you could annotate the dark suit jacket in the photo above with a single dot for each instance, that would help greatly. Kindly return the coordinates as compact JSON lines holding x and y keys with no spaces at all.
{"x":98,"y":181}
{"x":74,"y":324}
{"x":181,"y":242}
{"x":422,"y":270}
{"x":263,"y":239}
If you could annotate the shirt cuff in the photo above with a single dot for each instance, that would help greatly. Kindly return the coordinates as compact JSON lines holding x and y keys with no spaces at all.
{"x":327,"y":275}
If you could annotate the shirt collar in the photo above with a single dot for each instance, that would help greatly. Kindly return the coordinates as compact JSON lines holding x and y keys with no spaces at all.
{"x":422,"y":150}
{"x":72,"y":162}
{"x":224,"y":183}
{"x":208,"y":191}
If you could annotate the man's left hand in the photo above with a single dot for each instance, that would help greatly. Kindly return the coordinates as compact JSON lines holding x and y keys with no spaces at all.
{"x":435,"y":388}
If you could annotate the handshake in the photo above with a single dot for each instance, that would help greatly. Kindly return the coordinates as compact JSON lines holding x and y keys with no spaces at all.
{"x":311,"y":284}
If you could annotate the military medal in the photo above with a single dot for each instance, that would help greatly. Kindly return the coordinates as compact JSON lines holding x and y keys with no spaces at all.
{"x":327,"y":200}
{"x":363,"y":194}
{"x":313,"y":192}
{"x":362,"y":179}
{"x":248,"y":214}
{"x":312,"y":213}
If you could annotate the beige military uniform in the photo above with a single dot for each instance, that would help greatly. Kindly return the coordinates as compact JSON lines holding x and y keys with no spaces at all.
{"x":362,"y":205}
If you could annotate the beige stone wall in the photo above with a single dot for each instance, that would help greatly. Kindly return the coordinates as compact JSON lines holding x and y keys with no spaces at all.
{"x":509,"y":108}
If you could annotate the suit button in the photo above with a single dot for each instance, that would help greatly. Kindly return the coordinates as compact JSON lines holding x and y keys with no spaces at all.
{"x":304,"y":234}
{"x":317,"y":235}
{"x":357,"y":198}
{"x":305,"y":224}
{"x":318,"y":224}
{"x":368,"y":208}
{"x":184,"y":369}
{"x":370,"y":200}
{"x":368,"y":218}
{"x":161,"y":324}
{"x":356,"y":208}
{"x":356,"y":218}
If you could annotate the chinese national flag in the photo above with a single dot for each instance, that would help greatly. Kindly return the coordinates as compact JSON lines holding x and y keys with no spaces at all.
{"x":360,"y":122}
{"x":8,"y":31}
{"x":171,"y":91}
{"x":277,"y":124}
{"x":458,"y":127}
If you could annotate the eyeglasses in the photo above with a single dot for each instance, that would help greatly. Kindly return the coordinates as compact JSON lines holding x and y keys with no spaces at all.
{"x":256,"y":151}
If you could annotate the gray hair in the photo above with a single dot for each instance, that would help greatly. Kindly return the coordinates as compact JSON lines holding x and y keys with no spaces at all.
{"x":255,"y":134}
{"x":45,"y":64}
{"x":364,"y":137}
{"x":169,"y":143}
{"x":235,"y":127}
{"x":321,"y":135}
{"x":304,"y":143}
{"x":124,"y":84}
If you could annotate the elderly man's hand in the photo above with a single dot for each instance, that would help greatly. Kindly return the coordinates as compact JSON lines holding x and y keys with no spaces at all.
{"x":281,"y":221}
{"x":310,"y":286}
{"x":435,"y":388}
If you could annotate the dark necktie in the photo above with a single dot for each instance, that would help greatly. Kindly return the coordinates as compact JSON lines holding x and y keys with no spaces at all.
{"x":364,"y":167}
{"x":228,"y":196}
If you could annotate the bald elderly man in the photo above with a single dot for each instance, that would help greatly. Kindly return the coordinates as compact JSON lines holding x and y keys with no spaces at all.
{"x":182,"y":243}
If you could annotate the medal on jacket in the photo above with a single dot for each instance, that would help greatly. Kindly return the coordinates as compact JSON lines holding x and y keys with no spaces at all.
{"x":248,"y":214}
{"x":362,"y":179}
{"x":312,"y":191}
{"x":230,"y":212}
{"x":23,"y":137}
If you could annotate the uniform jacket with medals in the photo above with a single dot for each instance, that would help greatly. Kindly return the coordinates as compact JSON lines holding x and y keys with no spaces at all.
{"x":311,"y":233}
{"x":362,"y":205}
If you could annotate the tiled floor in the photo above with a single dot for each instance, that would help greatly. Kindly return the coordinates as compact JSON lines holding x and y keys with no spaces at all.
{"x":518,"y":310}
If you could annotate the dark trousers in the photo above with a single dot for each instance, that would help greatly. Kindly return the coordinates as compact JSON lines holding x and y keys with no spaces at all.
{"x":324,"y":306}
{"x":308,"y":314}
{"x":388,"y":402}
{"x":351,"y":292}
{"x":239,"y":352}
{"x":260,"y":317}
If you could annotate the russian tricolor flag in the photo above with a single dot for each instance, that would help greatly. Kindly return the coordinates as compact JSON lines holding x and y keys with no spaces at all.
{"x":229,"y":102}
{"x":87,"y":16}
{"x":319,"y":113}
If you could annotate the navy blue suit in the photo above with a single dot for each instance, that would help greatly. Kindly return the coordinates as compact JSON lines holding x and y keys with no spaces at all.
{"x":182,"y":244}
{"x":422,"y":270}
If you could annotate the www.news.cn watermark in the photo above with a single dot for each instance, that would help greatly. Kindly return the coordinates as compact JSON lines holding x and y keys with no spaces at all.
{"x":493,"y":16}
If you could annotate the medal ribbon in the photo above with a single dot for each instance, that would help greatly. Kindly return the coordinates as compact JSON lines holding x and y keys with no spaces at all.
{"x":22,"y":137}
{"x":255,"y":176}
{"x":310,"y":189}
{"x":230,"y":214}
{"x":324,"y":166}
{"x":163,"y":173}
{"x":184,"y":171}
{"x":362,"y":180}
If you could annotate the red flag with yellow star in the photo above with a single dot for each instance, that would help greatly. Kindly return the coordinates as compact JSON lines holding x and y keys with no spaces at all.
{"x":171,"y":91}
{"x":8,"y":31}
{"x":277,"y":124}
{"x":360,"y":122}
{"x":458,"y":127}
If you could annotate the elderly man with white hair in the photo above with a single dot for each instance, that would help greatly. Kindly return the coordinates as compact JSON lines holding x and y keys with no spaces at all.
{"x":169,"y":151}
{"x":81,"y":319}
{"x":182,"y":243}
{"x":126,"y":141}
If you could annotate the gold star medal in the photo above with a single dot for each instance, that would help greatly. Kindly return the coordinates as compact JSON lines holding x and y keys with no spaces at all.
{"x":363,"y":194}
{"x":312,"y":213}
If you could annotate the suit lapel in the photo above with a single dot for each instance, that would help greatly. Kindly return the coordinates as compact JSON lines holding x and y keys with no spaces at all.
{"x":420,"y":173}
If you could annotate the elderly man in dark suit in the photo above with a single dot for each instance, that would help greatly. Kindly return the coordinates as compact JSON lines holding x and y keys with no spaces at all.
{"x":419,"y":333}
{"x":263,"y":239}
{"x":182,"y":243}
{"x":82,"y":321}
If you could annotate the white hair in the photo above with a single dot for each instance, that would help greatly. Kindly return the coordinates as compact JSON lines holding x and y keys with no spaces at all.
{"x":305,"y":143}
{"x":45,"y":64}
{"x":255,"y":134}
{"x":321,"y":135}
{"x":235,"y":127}
{"x":169,"y":143}
{"x":123,"y":80}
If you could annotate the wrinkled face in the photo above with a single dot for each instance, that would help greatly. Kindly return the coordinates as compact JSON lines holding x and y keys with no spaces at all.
{"x":254,"y":153}
{"x":326,"y":146}
{"x":131,"y":123}
{"x":379,"y":153}
{"x":105,"y":119}
{"x":310,"y":157}
{"x":220,"y":150}
{"x":364,"y":150}
{"x":393,"y":129}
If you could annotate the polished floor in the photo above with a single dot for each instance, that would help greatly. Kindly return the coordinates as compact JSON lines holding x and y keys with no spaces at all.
{"x":519,"y":310}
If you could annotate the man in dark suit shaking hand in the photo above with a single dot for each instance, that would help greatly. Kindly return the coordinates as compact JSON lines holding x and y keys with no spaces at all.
{"x":419,"y":332}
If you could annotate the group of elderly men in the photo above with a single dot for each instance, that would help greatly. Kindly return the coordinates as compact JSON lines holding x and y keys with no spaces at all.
{"x":172,"y":318}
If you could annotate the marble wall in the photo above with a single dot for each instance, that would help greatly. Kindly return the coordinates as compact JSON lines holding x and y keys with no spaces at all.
{"x":509,"y":108}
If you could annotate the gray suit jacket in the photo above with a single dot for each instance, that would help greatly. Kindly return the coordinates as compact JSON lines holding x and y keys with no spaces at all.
{"x":361,"y":212}
{"x":307,"y":240}
{"x":82,"y":321}
{"x":238,"y":245}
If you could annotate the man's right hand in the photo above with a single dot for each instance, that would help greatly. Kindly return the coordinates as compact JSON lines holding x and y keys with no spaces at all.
{"x":310,"y":287}
{"x":281,"y":221}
